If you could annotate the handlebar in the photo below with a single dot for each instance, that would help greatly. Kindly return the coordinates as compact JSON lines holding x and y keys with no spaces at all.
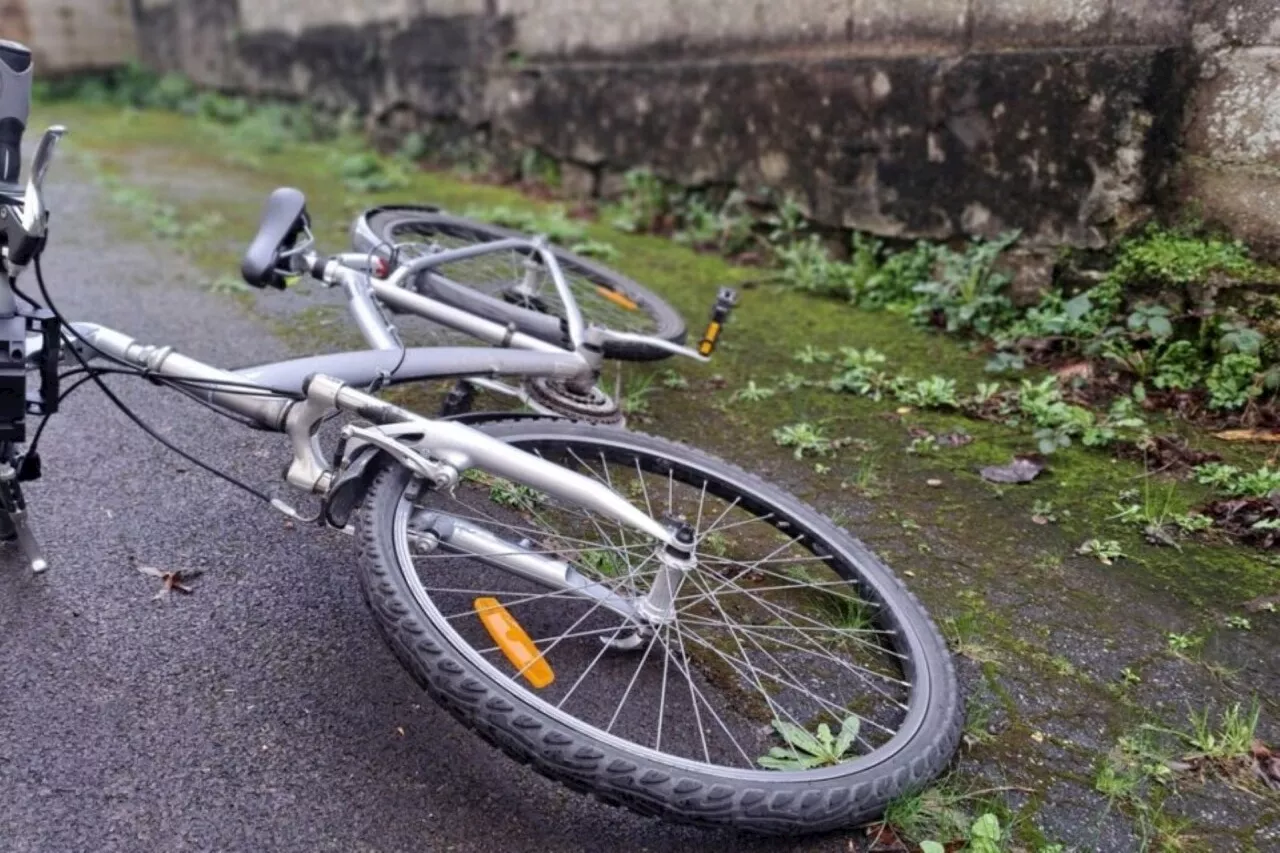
{"x":15,"y":107}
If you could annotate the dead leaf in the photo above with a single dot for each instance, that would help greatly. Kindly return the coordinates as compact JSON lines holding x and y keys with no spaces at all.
{"x":171,"y":581}
{"x":1077,"y":370}
{"x":1023,"y":469}
{"x":918,"y":432}
{"x":1249,"y":435}
{"x":933,"y":481}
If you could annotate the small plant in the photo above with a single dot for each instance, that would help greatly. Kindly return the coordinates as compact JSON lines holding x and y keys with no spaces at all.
{"x":969,"y":295}
{"x":1182,"y":643}
{"x":809,"y":354}
{"x":1043,"y":512}
{"x":792,"y":381}
{"x":936,"y":392}
{"x":607,"y":562}
{"x":804,"y":437}
{"x":366,"y":172}
{"x":1104,"y":551}
{"x":805,"y":751}
{"x":1234,"y":381}
{"x":787,"y":223}
{"x":1233,"y":481}
{"x":514,"y":495}
{"x":645,"y":201}
{"x":670,"y":379}
{"x":1231,"y":739}
{"x":923,"y":446}
{"x":753,"y":393}
{"x":636,"y":399}
{"x":1129,"y":676}
{"x":1239,"y":623}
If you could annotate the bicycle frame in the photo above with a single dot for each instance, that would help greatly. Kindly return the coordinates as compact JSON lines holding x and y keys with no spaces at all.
{"x":295,"y":397}
{"x":365,"y":292}
{"x":437,"y":451}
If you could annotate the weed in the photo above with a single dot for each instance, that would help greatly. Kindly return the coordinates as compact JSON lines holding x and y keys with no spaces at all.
{"x":1129,"y":676}
{"x":229,"y":284}
{"x":1239,"y":623}
{"x":636,"y":399}
{"x":606,"y":562}
{"x":1237,"y":483}
{"x":1233,"y":381}
{"x":1043,"y":512}
{"x":809,"y":354}
{"x":753,"y":393}
{"x":1105,"y":551}
{"x":804,"y":437}
{"x":646,"y":199}
{"x":1182,"y":643}
{"x":923,"y":446}
{"x":969,"y":295}
{"x":936,"y":392}
{"x":805,"y":751}
{"x":366,"y":172}
{"x":670,"y":379}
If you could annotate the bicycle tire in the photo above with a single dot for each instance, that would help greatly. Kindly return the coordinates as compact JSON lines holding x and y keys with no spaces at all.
{"x":604,"y":296}
{"x":573,"y":752}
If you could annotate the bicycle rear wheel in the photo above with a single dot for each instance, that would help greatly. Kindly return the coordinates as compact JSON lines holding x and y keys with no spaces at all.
{"x":786,"y":621}
{"x":487,"y":285}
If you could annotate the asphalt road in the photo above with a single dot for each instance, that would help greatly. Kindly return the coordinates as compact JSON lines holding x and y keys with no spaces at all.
{"x":261,"y":712}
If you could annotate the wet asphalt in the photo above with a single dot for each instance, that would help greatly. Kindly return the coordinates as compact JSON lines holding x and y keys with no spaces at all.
{"x":261,"y":712}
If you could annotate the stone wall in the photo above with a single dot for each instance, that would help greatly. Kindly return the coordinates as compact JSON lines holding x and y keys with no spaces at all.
{"x":71,"y":35}
{"x":939,"y":118}
{"x":1231,"y":166}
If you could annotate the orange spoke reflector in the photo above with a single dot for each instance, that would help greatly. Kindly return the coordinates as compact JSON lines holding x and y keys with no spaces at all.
{"x":617,"y":298}
{"x":514,"y":642}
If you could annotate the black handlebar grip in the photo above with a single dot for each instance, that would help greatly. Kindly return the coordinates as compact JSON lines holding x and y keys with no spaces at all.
{"x":15,"y":106}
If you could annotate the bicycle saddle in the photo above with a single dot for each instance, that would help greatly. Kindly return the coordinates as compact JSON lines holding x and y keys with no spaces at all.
{"x":284,"y":218}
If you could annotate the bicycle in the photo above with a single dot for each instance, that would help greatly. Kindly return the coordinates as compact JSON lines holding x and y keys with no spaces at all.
{"x":541,"y":577}
{"x":511,"y":290}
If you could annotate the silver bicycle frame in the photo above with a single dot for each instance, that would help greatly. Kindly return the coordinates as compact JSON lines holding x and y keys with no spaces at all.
{"x":295,"y":397}
{"x":436,"y":451}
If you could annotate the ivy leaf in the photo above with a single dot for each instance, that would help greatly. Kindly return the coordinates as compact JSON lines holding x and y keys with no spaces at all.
{"x":1160,"y":326}
{"x":931,"y":847}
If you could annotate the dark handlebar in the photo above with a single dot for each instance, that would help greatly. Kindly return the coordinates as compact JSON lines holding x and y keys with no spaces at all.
{"x":15,"y":107}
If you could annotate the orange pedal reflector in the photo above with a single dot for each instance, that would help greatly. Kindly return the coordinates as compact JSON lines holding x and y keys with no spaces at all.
{"x":617,"y":298}
{"x":514,"y":642}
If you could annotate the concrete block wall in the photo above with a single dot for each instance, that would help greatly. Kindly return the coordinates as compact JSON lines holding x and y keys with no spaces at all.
{"x":1231,"y":165}
{"x":1067,"y":119}
{"x":71,"y":35}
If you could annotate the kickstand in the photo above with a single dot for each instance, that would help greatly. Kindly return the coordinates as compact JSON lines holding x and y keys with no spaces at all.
{"x":13,"y":519}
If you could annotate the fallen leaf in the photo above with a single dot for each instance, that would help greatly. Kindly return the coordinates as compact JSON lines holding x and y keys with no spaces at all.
{"x":917,"y":432}
{"x":1248,"y":435}
{"x":1077,"y":370}
{"x":1038,"y":737}
{"x":1039,"y":519}
{"x":171,"y":580}
{"x":400,"y":730}
{"x":933,"y":482}
{"x":1023,"y":469}
{"x":903,"y":410}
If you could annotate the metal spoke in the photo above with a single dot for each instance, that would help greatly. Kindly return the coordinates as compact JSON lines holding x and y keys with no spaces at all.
{"x":632,"y":683}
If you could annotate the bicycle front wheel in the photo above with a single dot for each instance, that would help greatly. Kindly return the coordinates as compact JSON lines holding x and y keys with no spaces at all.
{"x":786,"y":631}
{"x":490,"y":285}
